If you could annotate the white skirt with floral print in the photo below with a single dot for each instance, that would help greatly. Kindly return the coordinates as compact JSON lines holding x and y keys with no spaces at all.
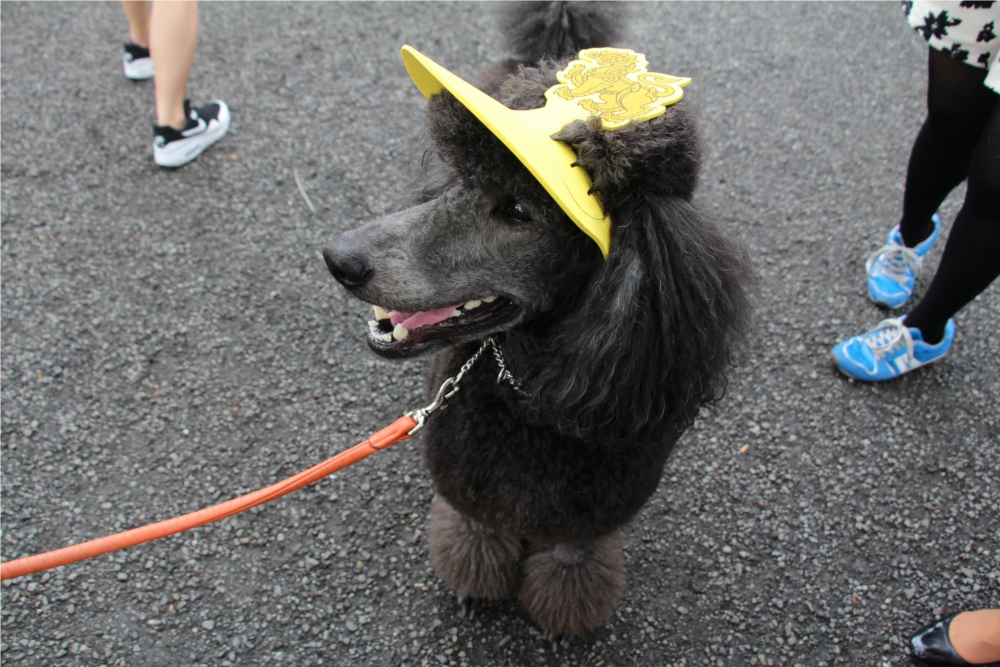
{"x":969,"y":31}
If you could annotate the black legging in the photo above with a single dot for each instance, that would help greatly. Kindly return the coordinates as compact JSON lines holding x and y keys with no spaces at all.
{"x":959,"y":140}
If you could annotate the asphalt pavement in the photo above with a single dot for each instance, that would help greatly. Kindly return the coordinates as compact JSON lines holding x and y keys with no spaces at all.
{"x":171,"y":339}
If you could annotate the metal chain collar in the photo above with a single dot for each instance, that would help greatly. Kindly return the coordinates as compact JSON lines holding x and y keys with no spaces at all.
{"x":449,"y":387}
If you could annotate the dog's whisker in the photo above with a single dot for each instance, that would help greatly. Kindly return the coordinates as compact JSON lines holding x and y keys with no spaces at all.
{"x":295,"y":173}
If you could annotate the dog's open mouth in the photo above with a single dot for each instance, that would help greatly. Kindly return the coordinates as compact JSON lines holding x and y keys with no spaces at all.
{"x":403,"y":334}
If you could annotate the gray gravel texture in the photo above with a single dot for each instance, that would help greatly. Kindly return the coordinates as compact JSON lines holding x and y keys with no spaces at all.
{"x":172,"y":339}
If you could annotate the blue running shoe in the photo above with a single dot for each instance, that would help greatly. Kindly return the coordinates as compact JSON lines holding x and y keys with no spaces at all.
{"x":893,"y":269}
{"x":889,"y":350}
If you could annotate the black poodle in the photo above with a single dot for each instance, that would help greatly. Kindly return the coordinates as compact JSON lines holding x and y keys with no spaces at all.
{"x":611,"y":359}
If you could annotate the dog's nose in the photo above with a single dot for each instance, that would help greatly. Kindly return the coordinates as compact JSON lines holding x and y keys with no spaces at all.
{"x":348,"y":267}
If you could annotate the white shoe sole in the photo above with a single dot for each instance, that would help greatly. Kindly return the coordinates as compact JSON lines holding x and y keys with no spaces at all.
{"x":179,"y":153}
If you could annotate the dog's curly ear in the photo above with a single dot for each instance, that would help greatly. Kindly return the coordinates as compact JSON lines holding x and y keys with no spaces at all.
{"x":654,"y":336}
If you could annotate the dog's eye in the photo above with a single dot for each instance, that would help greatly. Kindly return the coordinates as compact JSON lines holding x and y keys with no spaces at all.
{"x":518,"y":212}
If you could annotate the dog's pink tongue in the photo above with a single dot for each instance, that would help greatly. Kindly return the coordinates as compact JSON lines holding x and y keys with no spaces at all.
{"x":421,"y":318}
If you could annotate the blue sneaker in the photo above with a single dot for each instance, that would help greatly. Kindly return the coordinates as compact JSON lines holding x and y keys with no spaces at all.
{"x":889,"y":350}
{"x":893,"y":269}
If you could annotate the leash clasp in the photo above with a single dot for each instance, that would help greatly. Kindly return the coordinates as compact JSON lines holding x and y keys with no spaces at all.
{"x":448,"y":389}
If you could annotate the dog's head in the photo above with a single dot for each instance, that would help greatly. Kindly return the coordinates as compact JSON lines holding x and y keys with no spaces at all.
{"x":484,"y":249}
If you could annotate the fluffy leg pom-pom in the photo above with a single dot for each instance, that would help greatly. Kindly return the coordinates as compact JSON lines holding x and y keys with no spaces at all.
{"x":568,"y":589}
{"x":473,"y":560}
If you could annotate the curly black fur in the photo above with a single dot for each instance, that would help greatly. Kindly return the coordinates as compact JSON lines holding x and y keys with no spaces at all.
{"x":669,"y":305}
{"x":535,"y":30}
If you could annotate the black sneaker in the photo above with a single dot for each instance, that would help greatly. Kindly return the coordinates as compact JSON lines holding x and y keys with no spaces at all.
{"x":138,"y":65}
{"x":205,"y":125}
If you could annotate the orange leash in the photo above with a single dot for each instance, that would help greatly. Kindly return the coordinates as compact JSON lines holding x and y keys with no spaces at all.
{"x":401,"y":429}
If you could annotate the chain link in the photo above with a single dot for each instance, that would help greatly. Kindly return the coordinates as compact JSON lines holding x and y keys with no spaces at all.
{"x":505,"y":375}
{"x":449,"y":387}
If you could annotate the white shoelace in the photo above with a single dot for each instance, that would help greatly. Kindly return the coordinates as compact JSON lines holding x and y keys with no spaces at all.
{"x":900,"y":262}
{"x":887,"y":336}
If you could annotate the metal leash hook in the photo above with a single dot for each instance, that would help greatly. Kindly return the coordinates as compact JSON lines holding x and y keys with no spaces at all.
{"x":420,"y":415}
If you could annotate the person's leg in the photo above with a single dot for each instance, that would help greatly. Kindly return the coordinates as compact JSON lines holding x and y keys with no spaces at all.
{"x":958,"y":106}
{"x":971,"y":257}
{"x":137,"y":13}
{"x":975,"y":635}
{"x":181,"y":132}
{"x":173,"y":37}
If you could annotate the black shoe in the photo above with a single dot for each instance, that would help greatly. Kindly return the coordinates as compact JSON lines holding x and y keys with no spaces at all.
{"x":933,"y":646}
{"x":205,"y":125}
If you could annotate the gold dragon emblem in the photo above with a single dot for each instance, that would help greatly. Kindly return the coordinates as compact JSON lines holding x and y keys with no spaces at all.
{"x":615,"y":85}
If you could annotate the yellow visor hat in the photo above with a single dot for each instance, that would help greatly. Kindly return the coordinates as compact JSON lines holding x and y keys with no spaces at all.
{"x":610,"y":83}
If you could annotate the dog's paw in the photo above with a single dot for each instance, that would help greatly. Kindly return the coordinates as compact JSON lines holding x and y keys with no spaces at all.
{"x":556,"y":640}
{"x":468,"y":607}
{"x":474,"y":561}
{"x":568,"y":589}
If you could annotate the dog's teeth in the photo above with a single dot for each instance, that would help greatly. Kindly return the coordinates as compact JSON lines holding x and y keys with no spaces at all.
{"x":455,"y":313}
{"x":373,"y":325}
{"x":380,"y":313}
{"x":400,"y":332}
{"x":384,"y":337}
{"x":489,"y":299}
{"x":475,"y":303}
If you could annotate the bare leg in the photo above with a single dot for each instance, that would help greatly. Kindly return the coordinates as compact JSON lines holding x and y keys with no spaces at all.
{"x":474,"y":561}
{"x":975,"y":635}
{"x":137,"y":13}
{"x":572,"y":588}
{"x":173,"y":37}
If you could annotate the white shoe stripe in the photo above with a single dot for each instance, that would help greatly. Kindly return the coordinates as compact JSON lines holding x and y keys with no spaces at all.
{"x":198,"y":129}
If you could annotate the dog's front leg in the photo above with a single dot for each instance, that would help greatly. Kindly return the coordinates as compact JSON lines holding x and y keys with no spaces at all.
{"x":475,"y":561}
